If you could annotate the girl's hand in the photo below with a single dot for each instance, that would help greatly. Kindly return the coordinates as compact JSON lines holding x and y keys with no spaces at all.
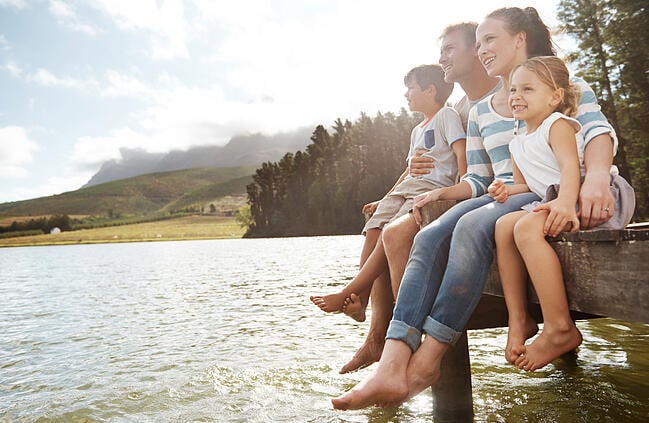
{"x":498,"y":191}
{"x":370,"y":208}
{"x":561,"y":217}
{"x":420,"y":201}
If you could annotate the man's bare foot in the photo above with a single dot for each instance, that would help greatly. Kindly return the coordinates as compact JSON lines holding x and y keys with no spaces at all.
{"x":368,"y":353}
{"x":424,"y":366}
{"x":353,"y":307}
{"x":387,"y":385}
{"x":518,"y":333}
{"x":549,"y":345}
{"x":331,"y":303}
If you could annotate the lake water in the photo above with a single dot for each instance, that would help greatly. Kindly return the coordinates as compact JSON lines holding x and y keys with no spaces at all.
{"x":223,"y":331}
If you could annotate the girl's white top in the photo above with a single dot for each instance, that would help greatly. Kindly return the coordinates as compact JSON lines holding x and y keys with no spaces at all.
{"x":535,"y":158}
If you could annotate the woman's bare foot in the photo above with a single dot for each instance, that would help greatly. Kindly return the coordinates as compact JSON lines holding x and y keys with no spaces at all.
{"x":518,"y":333}
{"x":332,"y":303}
{"x":387,"y":385}
{"x":353,"y":307}
{"x":368,"y":353}
{"x":549,"y":345}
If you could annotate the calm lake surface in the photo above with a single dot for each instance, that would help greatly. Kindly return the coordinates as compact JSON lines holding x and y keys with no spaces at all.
{"x":223,"y":331}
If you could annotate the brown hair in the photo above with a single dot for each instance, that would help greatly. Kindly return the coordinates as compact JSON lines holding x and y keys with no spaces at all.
{"x":427,"y":75}
{"x":553,"y":72}
{"x":466,"y":28}
{"x":539,"y":40}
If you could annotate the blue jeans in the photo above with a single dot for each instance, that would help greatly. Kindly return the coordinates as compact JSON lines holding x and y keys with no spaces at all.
{"x":447,"y":270}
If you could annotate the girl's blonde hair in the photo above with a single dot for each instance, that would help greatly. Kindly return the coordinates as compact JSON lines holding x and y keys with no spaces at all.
{"x":553,"y":72}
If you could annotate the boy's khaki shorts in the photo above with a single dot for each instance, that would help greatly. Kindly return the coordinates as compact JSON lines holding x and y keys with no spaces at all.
{"x":398,"y":202}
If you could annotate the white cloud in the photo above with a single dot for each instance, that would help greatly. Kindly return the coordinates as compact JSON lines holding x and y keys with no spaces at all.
{"x":69,"y":18}
{"x":46,"y":78}
{"x":13,"y":69}
{"x":19,"y":4}
{"x":16,"y":149}
{"x":164,"y":21}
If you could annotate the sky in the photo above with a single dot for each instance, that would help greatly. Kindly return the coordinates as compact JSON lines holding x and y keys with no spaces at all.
{"x":82,"y":79}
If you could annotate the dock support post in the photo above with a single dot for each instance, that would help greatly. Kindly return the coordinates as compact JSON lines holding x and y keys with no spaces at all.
{"x":452,"y":395}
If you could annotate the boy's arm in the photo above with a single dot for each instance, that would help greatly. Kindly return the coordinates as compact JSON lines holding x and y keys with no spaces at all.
{"x":370,"y":208}
{"x":459,"y":148}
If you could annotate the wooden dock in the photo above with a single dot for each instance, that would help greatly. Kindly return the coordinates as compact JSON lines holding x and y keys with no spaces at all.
{"x":606,"y":274}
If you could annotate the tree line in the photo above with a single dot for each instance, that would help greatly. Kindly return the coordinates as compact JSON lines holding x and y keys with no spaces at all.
{"x":320,"y":191}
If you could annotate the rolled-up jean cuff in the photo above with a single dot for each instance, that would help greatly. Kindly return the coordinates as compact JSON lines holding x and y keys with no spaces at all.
{"x":402,"y":332}
{"x":441,"y":332}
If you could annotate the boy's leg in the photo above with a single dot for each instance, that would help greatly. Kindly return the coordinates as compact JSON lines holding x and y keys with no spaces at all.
{"x":397,"y":243}
{"x":374,"y":265}
{"x":560,"y":334}
{"x":513,"y":277}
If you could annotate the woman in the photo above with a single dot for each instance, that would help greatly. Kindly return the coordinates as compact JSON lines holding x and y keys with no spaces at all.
{"x":451,"y":257}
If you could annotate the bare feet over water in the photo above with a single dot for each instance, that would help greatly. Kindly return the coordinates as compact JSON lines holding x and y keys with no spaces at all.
{"x":549,"y":345}
{"x":353,"y":307}
{"x":332,"y":303}
{"x":518,"y":333}
{"x":424,"y":367}
{"x":387,"y":385}
{"x":368,"y":353}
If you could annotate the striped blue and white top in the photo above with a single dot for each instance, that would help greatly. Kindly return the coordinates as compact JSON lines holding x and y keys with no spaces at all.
{"x":489,"y":134}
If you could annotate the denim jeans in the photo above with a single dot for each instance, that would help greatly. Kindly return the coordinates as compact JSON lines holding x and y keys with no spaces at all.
{"x":447,"y":270}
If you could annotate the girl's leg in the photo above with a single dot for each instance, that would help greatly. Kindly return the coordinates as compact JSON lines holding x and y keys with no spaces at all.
{"x":560,"y":334}
{"x":513,"y":277}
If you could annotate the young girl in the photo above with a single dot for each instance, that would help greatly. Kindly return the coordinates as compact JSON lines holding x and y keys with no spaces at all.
{"x":543,"y":158}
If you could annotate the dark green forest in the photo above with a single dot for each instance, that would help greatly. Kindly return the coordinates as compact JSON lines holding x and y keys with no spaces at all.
{"x":320,"y":191}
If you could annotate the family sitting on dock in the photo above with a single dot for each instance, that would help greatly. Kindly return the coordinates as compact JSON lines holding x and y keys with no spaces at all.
{"x":531,"y":129}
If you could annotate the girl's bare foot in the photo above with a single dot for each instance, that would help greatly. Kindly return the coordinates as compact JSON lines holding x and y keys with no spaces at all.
{"x":332,"y":303}
{"x":353,"y":307}
{"x":518,"y":333}
{"x":368,"y":353}
{"x":549,"y":345}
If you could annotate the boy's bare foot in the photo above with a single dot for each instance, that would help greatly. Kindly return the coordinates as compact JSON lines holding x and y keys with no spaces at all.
{"x":387,"y":385}
{"x":331,"y":303}
{"x":353,"y":307}
{"x":518,"y":333}
{"x":368,"y":353}
{"x":549,"y":345}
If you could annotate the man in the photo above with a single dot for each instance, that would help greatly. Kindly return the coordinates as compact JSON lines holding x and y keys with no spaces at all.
{"x":458,"y":57}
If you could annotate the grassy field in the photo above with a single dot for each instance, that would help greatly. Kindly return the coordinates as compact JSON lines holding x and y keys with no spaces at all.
{"x":182,"y":228}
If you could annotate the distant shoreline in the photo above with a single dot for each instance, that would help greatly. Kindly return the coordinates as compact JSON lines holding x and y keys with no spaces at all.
{"x":196,"y":227}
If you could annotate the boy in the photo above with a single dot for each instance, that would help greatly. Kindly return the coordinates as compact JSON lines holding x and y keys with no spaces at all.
{"x":441,"y":133}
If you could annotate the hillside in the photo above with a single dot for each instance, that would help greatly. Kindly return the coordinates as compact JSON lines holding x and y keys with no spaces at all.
{"x":243,"y":150}
{"x":140,"y":195}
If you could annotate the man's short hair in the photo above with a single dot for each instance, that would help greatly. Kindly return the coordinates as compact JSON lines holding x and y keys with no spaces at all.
{"x":466,"y":28}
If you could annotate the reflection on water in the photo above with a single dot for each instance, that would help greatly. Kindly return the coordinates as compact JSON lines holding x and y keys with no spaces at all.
{"x":223,"y":331}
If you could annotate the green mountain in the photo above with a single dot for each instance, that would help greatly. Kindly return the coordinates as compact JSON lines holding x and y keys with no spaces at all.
{"x":141,"y":195}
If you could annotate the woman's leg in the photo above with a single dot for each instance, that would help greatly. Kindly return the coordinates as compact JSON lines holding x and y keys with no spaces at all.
{"x":560,"y":334}
{"x":513,"y":277}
